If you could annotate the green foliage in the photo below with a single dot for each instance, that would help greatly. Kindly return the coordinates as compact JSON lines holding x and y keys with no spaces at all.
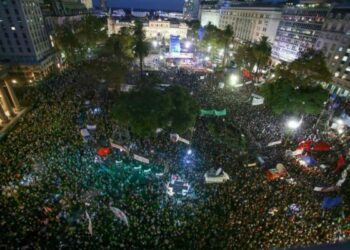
{"x":147,"y":109}
{"x":282,"y":97}
{"x":74,"y":38}
{"x":120,"y":47}
{"x":308,"y":70}
{"x":257,"y":54}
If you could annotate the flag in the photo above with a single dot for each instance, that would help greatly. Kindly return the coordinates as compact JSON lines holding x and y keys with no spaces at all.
{"x":274,"y":143}
{"x":329,"y":202}
{"x":343,"y":176}
{"x":141,"y":159}
{"x":120,"y":215}
{"x":90,"y":223}
{"x":103,"y":151}
{"x":340,"y":163}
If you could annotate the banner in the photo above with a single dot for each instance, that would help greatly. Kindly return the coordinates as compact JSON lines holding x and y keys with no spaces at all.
{"x":121,"y":148}
{"x":120,"y":215}
{"x":141,"y":159}
{"x":329,"y":202}
{"x":274,"y":143}
{"x":257,"y":100}
{"x":91,"y":127}
{"x":90,"y":223}
{"x":212,"y":112}
{"x":176,"y":138}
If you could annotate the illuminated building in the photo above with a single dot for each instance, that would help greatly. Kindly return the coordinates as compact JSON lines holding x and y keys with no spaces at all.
{"x":25,"y":46}
{"x":299,"y":28}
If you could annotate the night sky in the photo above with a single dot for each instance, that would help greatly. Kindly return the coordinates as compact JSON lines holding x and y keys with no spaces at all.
{"x":173,"y":5}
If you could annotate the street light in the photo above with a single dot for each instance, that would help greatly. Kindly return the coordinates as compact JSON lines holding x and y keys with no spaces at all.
{"x":154,"y":43}
{"x":161,"y":57}
{"x":293,"y":124}
{"x":188,"y":44}
{"x":206,"y":58}
{"x":233,"y":80}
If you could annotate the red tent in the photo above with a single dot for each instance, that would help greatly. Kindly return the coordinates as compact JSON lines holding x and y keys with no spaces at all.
{"x":103,"y":152}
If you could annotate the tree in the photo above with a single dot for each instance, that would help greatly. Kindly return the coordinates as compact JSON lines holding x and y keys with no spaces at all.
{"x":120,"y":46}
{"x":91,"y":30}
{"x":282,"y":97}
{"x":147,"y":109}
{"x":141,"y":46}
{"x":67,"y":42}
{"x":244,"y":57}
{"x":226,"y":38}
{"x":262,"y":53}
{"x":308,"y":70}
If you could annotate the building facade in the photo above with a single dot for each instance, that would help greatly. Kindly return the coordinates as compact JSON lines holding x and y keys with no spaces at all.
{"x":209,"y":16}
{"x":88,"y":4}
{"x":298,"y":30}
{"x":191,"y":9}
{"x":153,"y":29}
{"x":250,"y":23}
{"x":334,"y":41}
{"x":9,"y":105}
{"x":24,"y":43}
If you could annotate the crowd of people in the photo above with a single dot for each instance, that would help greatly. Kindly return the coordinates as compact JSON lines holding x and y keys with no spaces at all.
{"x":50,"y":177}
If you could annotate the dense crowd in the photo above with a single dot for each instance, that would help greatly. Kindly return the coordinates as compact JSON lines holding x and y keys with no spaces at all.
{"x":54,"y":179}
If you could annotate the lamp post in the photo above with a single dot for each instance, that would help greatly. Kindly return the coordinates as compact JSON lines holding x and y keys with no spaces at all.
{"x":292,"y":125}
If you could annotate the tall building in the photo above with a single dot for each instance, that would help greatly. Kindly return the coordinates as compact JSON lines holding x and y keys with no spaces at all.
{"x":299,"y":28}
{"x":24,"y":43}
{"x":191,"y":9}
{"x":103,"y":5}
{"x":334,"y":41}
{"x":88,"y":4}
{"x":250,"y":23}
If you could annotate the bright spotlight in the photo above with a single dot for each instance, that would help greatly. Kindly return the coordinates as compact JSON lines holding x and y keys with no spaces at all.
{"x":188,"y":44}
{"x":340,"y":122}
{"x":233,"y":80}
{"x":189,"y":152}
{"x":293,"y":124}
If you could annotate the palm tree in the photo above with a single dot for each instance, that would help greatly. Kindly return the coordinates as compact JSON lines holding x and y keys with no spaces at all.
{"x":262,"y":53}
{"x":227,"y":36}
{"x":141,"y":46}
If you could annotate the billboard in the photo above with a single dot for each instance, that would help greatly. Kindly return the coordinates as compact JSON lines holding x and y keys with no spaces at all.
{"x":174,"y":44}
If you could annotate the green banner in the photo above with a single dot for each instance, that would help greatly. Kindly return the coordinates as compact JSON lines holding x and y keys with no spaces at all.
{"x":212,"y":112}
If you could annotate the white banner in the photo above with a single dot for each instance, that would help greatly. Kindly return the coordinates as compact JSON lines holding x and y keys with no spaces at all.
{"x":184,"y":140}
{"x":274,"y":143}
{"x":121,"y":148}
{"x":84,"y":132}
{"x":257,"y":101}
{"x":141,"y":159}
{"x":91,"y":127}
{"x":120,"y":215}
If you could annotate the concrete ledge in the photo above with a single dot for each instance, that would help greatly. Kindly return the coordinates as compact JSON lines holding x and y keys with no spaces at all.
{"x":6,"y":129}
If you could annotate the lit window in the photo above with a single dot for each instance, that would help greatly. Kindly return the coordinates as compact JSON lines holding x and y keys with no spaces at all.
{"x":336,"y":74}
{"x":336,"y":57}
{"x":345,"y":58}
{"x":13,"y":28}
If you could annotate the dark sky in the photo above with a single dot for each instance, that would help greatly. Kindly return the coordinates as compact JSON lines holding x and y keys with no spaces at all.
{"x":174,"y":5}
